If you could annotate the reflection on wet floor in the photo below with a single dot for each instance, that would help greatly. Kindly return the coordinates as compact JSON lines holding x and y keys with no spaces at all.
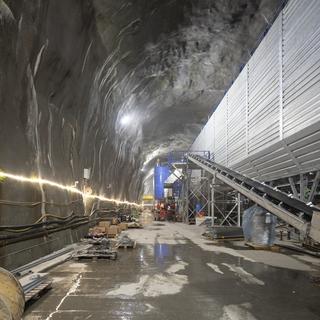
{"x":161,"y":251}
{"x":147,"y":219}
{"x":173,"y":275}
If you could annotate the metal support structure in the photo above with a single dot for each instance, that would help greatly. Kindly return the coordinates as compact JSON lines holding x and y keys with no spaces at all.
{"x":314,"y":187}
{"x":270,"y":199}
{"x":293,"y":188}
{"x":223,"y":210}
{"x":212,"y":200}
{"x":197,"y":194}
{"x":186,"y":195}
{"x":228,"y":216}
{"x":302,"y":187}
{"x":209,"y":198}
{"x":239,"y":209}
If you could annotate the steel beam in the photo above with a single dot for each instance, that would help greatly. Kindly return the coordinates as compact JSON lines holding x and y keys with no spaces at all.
{"x":314,"y":187}
{"x":259,"y":188}
{"x":213,"y":200}
{"x":277,"y":210}
{"x":228,"y":215}
{"x":239,"y":209}
{"x":293,"y":188}
{"x":302,"y":188}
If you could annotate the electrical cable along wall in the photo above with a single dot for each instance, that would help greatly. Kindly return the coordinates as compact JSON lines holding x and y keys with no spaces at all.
{"x":267,"y":125}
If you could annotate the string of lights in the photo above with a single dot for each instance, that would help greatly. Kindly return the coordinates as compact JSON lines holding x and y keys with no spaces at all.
{"x":72,"y":189}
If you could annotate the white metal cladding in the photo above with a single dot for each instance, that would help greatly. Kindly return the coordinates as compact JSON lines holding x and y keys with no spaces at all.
{"x":301,"y":69}
{"x":263,"y":99}
{"x":210,"y":141}
{"x":200,"y":143}
{"x":220,"y":124}
{"x":237,"y":101}
{"x":205,"y":140}
{"x":268,"y":124}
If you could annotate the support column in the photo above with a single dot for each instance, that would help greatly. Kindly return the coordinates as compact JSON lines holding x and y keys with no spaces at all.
{"x":314,"y":187}
{"x":293,"y":188}
{"x":209,"y":199}
{"x":302,"y":188}
{"x":212,"y":200}
{"x":187,"y":192}
{"x":239,"y":209}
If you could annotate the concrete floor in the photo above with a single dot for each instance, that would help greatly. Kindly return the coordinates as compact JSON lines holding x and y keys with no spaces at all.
{"x":175,"y":274}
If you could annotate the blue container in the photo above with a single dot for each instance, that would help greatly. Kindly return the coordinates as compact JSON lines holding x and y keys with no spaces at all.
{"x":176,"y":188}
{"x":161,"y":173}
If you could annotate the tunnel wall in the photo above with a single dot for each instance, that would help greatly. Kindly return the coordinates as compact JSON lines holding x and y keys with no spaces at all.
{"x":54,"y":122}
{"x":267,"y":124}
{"x":64,"y":91}
{"x":44,"y":90}
{"x":23,"y":206}
{"x":18,"y":254}
{"x":51,"y":57}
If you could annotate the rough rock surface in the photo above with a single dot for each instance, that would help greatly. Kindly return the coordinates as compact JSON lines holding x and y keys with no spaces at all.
{"x":71,"y":70}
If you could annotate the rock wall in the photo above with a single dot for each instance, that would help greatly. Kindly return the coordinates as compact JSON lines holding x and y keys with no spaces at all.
{"x":50,"y":123}
{"x":71,"y":71}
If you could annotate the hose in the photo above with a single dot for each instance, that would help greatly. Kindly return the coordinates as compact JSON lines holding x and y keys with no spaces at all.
{"x":38,"y":224}
{"x":35,"y":204}
{"x":44,"y":225}
{"x":29,"y":231}
{"x":103,"y":211}
{"x":39,"y":234}
{"x":43,"y":231}
{"x":60,"y":220}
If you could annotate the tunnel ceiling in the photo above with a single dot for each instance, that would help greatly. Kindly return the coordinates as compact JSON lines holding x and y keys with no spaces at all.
{"x":113,"y":85}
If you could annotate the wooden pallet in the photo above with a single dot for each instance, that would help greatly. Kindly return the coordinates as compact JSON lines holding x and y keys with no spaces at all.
{"x":127,"y":246}
{"x":112,"y":255}
{"x":223,"y":239}
{"x":134,"y":225}
{"x":38,"y":291}
{"x":273,"y":248}
{"x":111,"y":235}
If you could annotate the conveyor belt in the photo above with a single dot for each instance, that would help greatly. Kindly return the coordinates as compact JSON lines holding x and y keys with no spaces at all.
{"x":291,"y":210}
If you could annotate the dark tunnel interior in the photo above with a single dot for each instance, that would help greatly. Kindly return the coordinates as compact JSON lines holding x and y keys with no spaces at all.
{"x":159,"y":159}
{"x":114,"y":85}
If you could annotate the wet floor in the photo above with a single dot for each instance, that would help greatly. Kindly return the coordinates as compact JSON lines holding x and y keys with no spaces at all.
{"x":175,"y":274}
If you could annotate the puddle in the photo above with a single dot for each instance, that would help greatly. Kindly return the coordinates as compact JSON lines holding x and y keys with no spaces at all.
{"x":245,"y":276}
{"x":215,"y":268}
{"x":154,"y":285}
{"x":237,"y":312}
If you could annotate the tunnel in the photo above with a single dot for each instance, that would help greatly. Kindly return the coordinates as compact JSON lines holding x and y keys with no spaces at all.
{"x":180,"y":119}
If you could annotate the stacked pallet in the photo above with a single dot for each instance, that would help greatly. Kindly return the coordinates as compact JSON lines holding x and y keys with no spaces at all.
{"x":108,"y":229}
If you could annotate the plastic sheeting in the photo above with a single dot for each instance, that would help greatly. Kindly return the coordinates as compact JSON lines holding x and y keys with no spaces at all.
{"x":259,"y":226}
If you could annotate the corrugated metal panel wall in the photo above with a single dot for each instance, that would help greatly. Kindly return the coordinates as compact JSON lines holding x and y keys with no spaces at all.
{"x":268,"y":123}
{"x":301,"y":65}
{"x":301,"y":78}
{"x":220,"y":125}
{"x":237,"y":117}
{"x":263,"y":104}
